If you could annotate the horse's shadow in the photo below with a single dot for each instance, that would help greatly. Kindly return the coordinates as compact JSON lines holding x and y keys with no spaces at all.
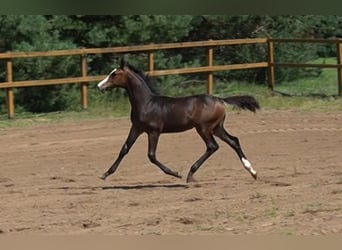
{"x":144,"y":186}
{"x":126,"y":187}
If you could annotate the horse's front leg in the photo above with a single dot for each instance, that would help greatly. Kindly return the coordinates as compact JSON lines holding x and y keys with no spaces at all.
{"x":153,"y":138}
{"x":134,"y":133}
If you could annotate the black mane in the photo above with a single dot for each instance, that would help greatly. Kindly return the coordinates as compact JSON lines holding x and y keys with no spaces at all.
{"x":150,"y":82}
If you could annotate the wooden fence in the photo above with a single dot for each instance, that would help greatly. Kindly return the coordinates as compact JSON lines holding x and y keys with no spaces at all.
{"x":272,"y":64}
{"x":84,"y":79}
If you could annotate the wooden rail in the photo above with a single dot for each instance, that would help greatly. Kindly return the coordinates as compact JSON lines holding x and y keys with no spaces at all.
{"x":84,"y":79}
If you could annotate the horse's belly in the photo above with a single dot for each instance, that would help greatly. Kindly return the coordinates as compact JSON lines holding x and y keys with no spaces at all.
{"x":176,"y":124}
{"x":174,"y":129}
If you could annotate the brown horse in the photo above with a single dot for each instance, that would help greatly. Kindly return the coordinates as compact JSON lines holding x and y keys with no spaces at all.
{"x":155,"y":114}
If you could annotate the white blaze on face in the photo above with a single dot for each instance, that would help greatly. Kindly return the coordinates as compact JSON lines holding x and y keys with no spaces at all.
{"x":248,"y":165}
{"x":99,"y":85}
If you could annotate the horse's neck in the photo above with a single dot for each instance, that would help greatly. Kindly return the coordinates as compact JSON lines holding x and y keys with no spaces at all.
{"x":139,"y":93}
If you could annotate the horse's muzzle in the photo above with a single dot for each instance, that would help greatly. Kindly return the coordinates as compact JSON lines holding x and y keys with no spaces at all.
{"x":101,"y":89}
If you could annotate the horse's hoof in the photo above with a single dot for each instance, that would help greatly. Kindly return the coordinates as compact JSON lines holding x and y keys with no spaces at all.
{"x":190,"y":179}
{"x":103,"y":177}
{"x":255,"y":176}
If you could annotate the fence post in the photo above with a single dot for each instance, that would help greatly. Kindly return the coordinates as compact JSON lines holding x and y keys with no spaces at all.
{"x":270,"y":53}
{"x":339,"y":69}
{"x":9,"y":91}
{"x":210,"y":75}
{"x":84,"y":90}
{"x":150,"y":61}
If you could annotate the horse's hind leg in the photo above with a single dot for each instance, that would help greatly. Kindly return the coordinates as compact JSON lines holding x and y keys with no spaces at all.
{"x":153,"y":138}
{"x":212,"y":146}
{"x":235,"y":144}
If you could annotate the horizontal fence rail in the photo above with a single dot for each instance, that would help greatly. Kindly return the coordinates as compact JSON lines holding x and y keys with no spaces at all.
{"x":84,"y":79}
{"x":33,"y":83}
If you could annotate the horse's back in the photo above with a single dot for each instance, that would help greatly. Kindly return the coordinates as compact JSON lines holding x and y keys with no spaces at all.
{"x":208,"y":109}
{"x":175,"y":114}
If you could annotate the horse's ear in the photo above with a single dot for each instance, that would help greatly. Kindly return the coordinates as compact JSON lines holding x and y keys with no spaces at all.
{"x":122,"y":63}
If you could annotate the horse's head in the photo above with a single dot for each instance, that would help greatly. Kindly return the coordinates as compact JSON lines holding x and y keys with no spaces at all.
{"x":116,"y":78}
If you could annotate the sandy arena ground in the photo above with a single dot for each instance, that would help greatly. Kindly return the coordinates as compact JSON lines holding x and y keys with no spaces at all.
{"x":49,"y":179}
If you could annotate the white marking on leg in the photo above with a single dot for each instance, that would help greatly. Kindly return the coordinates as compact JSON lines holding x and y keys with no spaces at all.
{"x":248,"y":165}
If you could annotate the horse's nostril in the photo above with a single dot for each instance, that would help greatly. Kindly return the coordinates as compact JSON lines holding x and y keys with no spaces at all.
{"x":100,"y":88}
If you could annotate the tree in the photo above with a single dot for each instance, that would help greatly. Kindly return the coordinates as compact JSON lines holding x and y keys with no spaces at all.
{"x":37,"y":33}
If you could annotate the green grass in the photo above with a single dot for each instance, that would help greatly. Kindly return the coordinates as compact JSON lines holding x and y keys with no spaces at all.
{"x":324,"y":85}
{"x":311,"y":93}
{"x":120,"y":108}
{"x":275,"y":100}
{"x":111,"y":110}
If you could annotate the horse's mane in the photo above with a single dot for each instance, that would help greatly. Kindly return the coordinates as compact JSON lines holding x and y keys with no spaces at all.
{"x":150,"y":82}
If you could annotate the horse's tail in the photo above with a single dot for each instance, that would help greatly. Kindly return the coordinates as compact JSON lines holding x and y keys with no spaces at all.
{"x":243,"y":101}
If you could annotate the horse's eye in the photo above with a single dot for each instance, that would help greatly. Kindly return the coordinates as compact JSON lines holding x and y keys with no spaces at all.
{"x":113,"y":72}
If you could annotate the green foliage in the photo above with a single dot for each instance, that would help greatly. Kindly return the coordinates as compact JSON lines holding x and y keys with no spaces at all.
{"x":37,"y":33}
{"x":53,"y":32}
{"x":143,"y":29}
